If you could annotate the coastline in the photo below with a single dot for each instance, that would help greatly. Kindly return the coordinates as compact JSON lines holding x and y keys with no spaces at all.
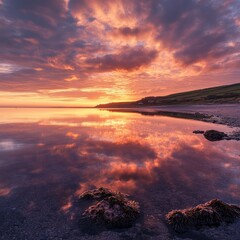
{"x":226,"y":114}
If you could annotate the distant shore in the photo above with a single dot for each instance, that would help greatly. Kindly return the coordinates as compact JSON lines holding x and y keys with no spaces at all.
{"x":227,"y":94}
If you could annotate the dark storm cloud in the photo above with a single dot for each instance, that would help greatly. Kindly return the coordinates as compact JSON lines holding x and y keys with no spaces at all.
{"x":128,"y":59}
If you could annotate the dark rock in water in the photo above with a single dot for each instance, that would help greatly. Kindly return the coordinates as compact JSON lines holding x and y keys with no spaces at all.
{"x":234,"y":136}
{"x":211,"y":214}
{"x":213,"y":135}
{"x":198,"y":132}
{"x":113,"y":209}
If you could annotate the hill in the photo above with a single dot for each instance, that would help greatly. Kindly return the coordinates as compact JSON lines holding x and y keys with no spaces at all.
{"x":215,"y":95}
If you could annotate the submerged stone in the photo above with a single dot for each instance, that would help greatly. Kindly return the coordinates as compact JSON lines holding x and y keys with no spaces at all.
{"x":112,"y":209}
{"x":213,"y":135}
{"x":212,"y":213}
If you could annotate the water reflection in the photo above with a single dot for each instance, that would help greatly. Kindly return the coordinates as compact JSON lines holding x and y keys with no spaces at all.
{"x":7,"y":145}
{"x":157,"y":159}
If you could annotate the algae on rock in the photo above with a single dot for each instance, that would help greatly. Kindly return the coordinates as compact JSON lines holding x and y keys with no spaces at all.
{"x":112,"y":209}
{"x":212,"y":213}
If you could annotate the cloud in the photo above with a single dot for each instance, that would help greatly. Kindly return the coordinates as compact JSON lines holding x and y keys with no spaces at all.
{"x":79,"y":94}
{"x":128,"y":59}
{"x":127,"y":31}
{"x":195,"y":30}
{"x":125,"y":44}
{"x":44,"y":13}
{"x":116,"y":13}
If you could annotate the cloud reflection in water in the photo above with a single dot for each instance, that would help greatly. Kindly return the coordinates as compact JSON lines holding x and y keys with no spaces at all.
{"x":147,"y":156}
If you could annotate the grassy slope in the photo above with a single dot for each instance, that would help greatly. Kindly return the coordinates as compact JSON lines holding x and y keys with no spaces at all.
{"x":222,"y":94}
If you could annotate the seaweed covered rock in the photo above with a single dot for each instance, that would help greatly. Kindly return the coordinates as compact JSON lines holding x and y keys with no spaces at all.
{"x":212,"y":213}
{"x":213,"y":135}
{"x":112,"y":209}
{"x":99,"y":194}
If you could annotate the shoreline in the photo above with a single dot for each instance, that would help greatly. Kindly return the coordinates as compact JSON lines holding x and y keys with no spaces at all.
{"x":207,"y":113}
{"x":229,"y":117}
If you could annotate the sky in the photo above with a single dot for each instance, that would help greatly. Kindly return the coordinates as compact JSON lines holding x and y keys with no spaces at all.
{"x":87,"y":52}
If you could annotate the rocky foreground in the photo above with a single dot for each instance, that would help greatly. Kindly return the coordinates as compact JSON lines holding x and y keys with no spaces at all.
{"x":115,"y":210}
{"x":210,"y":214}
{"x":112,"y":209}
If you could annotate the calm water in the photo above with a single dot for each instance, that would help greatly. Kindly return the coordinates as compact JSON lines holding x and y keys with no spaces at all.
{"x":49,"y":156}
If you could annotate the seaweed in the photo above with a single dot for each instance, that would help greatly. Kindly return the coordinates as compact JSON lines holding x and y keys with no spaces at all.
{"x":211,"y":214}
{"x":112,"y":209}
{"x":99,"y":193}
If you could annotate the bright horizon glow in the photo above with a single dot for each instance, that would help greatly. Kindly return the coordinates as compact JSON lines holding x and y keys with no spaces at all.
{"x":38,"y":101}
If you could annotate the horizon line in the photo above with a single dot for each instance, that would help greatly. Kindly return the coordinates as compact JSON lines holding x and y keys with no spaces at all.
{"x":46,"y":107}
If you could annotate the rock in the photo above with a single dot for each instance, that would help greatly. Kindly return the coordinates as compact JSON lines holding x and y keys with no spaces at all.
{"x":99,"y":193}
{"x":212,"y":213}
{"x":234,"y":135}
{"x":198,"y":132}
{"x":113,"y":209}
{"x":213,"y":135}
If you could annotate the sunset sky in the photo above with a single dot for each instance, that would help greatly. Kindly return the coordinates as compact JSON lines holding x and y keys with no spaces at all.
{"x":86,"y":52}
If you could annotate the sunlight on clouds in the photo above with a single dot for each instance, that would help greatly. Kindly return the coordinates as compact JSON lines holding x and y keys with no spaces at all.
{"x":72,"y":78}
{"x":38,"y":69}
{"x":57,"y":90}
{"x":113,"y":12}
{"x":58,"y":63}
{"x":92,"y":52}
{"x":110,"y":90}
{"x":8,"y":68}
{"x":72,"y":135}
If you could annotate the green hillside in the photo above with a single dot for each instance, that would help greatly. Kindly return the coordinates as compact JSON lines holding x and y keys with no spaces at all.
{"x":215,"y":95}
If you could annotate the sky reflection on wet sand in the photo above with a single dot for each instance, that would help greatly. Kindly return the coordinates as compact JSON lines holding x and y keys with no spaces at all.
{"x":156,"y":159}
